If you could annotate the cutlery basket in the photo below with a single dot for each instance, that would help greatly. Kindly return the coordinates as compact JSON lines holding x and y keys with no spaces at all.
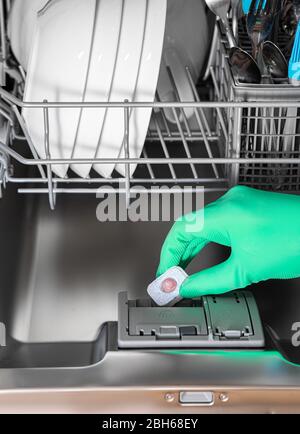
{"x":257,"y":131}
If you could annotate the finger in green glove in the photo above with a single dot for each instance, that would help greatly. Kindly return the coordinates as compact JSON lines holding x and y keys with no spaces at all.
{"x":262,"y":229}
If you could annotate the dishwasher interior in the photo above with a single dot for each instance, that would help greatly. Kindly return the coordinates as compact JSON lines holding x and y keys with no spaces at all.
{"x":63,"y":272}
{"x":61,"y":279}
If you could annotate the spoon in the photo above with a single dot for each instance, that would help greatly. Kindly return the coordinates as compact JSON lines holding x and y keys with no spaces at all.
{"x":274,"y":60}
{"x":244,"y":66}
{"x":296,"y":7}
{"x":288,"y":18}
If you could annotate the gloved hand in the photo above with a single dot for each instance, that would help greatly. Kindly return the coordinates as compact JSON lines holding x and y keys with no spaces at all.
{"x":262,"y":229}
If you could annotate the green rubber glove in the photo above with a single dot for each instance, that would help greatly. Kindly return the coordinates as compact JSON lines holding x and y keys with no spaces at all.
{"x":262,"y":229}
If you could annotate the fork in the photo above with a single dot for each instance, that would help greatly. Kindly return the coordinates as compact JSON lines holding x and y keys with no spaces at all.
{"x":260,"y":21}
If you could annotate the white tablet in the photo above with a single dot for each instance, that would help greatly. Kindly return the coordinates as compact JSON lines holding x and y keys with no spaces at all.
{"x":165,"y":289}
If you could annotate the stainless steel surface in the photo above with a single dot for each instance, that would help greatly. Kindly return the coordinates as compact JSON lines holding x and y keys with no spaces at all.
{"x":72,"y":267}
{"x":148,"y":401}
{"x":134,"y":370}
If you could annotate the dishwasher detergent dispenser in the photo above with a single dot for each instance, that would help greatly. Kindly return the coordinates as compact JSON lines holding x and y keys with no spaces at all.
{"x":230,"y":321}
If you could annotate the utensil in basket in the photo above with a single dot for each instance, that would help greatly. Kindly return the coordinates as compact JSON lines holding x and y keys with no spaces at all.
{"x":244,"y":66}
{"x":260,"y":20}
{"x":246,"y":5}
{"x":288,"y":25}
{"x":274,"y":60}
{"x":288,"y":18}
{"x":294,"y":62}
{"x":296,"y":7}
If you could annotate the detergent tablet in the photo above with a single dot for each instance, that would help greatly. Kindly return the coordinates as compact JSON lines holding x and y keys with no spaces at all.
{"x":165,"y":289}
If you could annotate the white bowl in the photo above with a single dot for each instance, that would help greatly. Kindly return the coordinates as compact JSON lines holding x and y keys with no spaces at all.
{"x":57,"y":71}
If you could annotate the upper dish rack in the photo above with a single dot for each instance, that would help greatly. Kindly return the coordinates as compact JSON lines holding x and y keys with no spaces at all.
{"x":211,"y":149}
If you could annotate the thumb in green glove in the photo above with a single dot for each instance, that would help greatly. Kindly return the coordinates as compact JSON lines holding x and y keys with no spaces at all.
{"x":262,"y":229}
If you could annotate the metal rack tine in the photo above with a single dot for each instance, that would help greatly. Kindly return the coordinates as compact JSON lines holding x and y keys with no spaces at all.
{"x":126,"y":149}
{"x":184,"y":118}
{"x":199,"y":121}
{"x":151,"y":173}
{"x":28,"y":138}
{"x":52,"y":197}
{"x":164,"y":146}
{"x":185,"y":145}
{"x":221,"y":120}
{"x":196,"y":96}
{"x":163,"y":116}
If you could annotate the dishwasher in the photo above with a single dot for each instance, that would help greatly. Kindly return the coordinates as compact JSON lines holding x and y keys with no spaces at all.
{"x":78,"y":333}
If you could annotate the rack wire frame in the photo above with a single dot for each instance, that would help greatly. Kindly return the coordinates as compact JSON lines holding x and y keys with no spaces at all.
{"x":217,"y":128}
{"x":258,"y":132}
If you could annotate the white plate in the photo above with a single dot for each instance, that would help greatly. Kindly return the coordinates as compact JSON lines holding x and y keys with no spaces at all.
{"x":123,"y":81}
{"x":187,"y":40}
{"x":177,"y":89}
{"x":187,"y":30}
{"x":102,"y":64}
{"x":21,"y":27}
{"x":57,"y":71}
{"x":147,"y":79}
